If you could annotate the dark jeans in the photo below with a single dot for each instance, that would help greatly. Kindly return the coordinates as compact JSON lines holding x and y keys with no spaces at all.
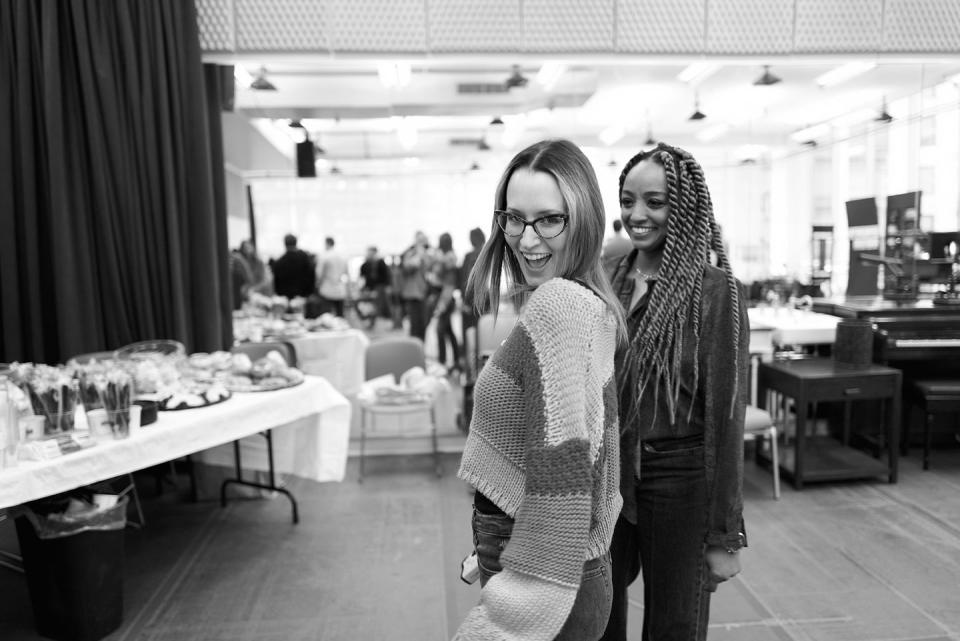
{"x":590,"y":611}
{"x":417,"y":314}
{"x":444,"y":334}
{"x":667,"y":545}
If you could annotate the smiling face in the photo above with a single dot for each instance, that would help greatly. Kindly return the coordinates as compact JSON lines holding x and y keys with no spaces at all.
{"x":531,"y":195}
{"x":644,"y":208}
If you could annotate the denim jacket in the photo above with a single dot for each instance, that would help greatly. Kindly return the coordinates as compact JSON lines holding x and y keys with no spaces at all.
{"x":722,"y":428}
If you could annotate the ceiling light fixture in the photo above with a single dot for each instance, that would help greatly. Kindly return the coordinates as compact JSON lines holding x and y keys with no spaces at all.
{"x":843,"y":73}
{"x":516,"y":79}
{"x":697,"y":114}
{"x":766,"y":78}
{"x":482,"y":145}
{"x":884,"y":116}
{"x":260,"y":83}
{"x":296,"y":124}
{"x":697,"y":72}
{"x":650,"y":141}
{"x":497,"y":120}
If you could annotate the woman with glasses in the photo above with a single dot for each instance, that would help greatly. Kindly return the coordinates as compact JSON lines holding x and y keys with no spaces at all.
{"x":683,"y":384}
{"x":542,"y":449}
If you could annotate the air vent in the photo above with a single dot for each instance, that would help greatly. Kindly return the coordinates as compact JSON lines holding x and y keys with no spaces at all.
{"x":481,"y":87}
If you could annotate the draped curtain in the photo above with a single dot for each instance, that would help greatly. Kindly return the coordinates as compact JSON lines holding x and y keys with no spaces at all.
{"x":112,"y":206}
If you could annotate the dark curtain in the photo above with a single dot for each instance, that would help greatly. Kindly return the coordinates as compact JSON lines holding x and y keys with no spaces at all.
{"x":112,"y":205}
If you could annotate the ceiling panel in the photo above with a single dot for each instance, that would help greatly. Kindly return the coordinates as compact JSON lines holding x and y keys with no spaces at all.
{"x":828,"y":26}
{"x":660,"y":26}
{"x":567,"y":26}
{"x":745,"y":27}
{"x":469,"y":26}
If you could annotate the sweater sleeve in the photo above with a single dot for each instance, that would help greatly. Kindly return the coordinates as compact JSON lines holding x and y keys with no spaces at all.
{"x":531,"y":598}
{"x":725,"y":423}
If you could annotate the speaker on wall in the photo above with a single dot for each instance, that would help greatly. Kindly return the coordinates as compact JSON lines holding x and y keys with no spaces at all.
{"x":306,"y":159}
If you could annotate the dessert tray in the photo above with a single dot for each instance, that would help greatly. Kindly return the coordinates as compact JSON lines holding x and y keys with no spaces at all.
{"x":245,"y":383}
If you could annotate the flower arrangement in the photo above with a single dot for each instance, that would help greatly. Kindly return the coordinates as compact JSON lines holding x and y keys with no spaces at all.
{"x":52,"y":392}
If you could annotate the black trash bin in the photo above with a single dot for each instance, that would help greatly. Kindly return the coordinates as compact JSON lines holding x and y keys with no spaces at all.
{"x":75,"y":578}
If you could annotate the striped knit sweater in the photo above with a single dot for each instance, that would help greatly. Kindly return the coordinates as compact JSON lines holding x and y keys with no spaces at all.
{"x":543,"y":447}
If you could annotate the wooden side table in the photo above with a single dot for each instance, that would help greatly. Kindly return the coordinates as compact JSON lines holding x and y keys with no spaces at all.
{"x":814,"y":380}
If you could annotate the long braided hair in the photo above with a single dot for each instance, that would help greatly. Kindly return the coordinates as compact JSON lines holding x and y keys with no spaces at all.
{"x":656,"y":348}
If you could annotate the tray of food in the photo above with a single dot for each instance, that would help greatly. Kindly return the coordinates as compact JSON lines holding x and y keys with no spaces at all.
{"x":262,"y":375}
{"x":188,"y":395}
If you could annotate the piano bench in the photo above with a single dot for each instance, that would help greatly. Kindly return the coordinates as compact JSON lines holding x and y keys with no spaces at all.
{"x":933,"y":396}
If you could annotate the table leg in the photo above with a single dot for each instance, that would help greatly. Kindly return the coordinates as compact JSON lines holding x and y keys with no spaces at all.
{"x":799,"y":434}
{"x":894,"y":437}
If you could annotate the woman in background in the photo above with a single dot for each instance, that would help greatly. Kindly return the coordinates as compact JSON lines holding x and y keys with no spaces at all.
{"x":683,"y":382}
{"x":445,"y":272}
{"x":542,"y":449}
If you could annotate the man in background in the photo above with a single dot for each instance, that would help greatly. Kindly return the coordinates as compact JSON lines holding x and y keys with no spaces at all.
{"x":293,"y":272}
{"x":376,"y":280}
{"x":332,"y":279}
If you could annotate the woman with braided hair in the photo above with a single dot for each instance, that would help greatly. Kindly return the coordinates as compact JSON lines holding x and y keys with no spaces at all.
{"x":683,"y":383}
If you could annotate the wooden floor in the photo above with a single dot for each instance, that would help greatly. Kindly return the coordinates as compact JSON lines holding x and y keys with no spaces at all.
{"x":863,"y":561}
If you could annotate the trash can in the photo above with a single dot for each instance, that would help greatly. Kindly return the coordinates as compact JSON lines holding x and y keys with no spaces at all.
{"x":74,"y":570}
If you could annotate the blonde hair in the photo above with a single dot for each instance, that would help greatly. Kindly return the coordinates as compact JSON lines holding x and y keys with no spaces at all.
{"x":692,"y":233}
{"x":580,"y":191}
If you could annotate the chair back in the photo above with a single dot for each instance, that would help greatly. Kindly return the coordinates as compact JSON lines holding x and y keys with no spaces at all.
{"x":259,"y":350}
{"x":394,"y":355}
{"x":490,"y":334}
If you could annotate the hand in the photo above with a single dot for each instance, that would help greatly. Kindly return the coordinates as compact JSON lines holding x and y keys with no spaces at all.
{"x":721,"y":565}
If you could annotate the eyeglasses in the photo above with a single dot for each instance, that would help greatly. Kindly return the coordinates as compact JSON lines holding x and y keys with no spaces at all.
{"x":547,"y":227}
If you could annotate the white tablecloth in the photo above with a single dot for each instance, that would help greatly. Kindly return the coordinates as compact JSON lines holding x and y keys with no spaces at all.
{"x":337,"y":355}
{"x":311,"y":424}
{"x":795,"y":326}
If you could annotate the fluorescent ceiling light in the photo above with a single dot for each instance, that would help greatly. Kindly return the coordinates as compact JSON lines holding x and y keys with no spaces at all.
{"x":749,"y":152}
{"x":549,"y":74}
{"x":810,"y":133}
{"x":697,"y":72}
{"x":843,"y":73}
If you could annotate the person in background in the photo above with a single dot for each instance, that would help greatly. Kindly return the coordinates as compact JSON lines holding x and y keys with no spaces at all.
{"x":683,"y":382}
{"x":332,"y":277}
{"x":260,"y":278}
{"x":415,"y":263}
{"x":542,"y":448}
{"x":446,"y":275}
{"x":240,"y":278}
{"x":293,"y":273}
{"x":617,"y":244}
{"x":468,"y":314}
{"x":375,"y":284}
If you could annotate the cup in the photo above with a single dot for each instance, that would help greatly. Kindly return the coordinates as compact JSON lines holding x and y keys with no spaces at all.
{"x":114,"y":424}
{"x":31,"y":428}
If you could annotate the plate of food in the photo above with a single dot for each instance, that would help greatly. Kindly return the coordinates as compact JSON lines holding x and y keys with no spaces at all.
{"x":190,"y":394}
{"x":262,"y":375}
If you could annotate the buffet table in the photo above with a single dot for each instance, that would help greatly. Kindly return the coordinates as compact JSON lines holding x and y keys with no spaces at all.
{"x":311,"y":424}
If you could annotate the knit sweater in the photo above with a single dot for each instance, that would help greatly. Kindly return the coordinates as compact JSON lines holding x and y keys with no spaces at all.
{"x":543,"y":447}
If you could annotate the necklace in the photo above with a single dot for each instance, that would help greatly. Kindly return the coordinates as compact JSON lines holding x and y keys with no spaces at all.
{"x":644,"y":276}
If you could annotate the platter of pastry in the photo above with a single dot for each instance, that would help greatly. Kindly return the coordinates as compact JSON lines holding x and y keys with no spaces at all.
{"x":262,"y":375}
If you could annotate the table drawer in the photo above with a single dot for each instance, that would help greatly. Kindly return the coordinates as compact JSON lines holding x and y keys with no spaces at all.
{"x":840,"y":389}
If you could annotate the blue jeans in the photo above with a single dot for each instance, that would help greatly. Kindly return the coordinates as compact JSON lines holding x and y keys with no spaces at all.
{"x":667,"y":545}
{"x":591,"y":609}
